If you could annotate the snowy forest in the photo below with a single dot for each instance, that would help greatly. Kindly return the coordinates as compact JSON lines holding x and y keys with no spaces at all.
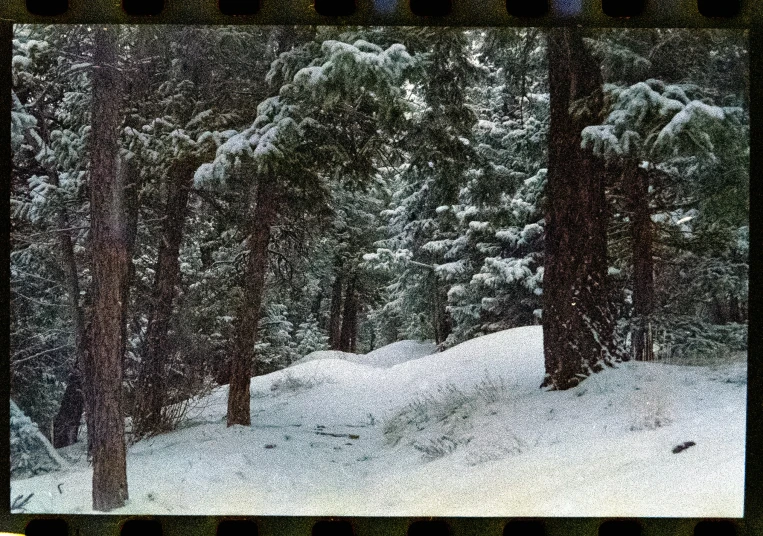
{"x":200,"y":213}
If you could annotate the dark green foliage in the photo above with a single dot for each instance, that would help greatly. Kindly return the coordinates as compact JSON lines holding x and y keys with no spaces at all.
{"x":31,"y":453}
{"x":407,"y":169}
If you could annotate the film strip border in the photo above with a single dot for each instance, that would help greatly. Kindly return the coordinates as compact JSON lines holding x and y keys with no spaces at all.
{"x":591,"y":13}
{"x":299,"y":526}
{"x":674,"y":13}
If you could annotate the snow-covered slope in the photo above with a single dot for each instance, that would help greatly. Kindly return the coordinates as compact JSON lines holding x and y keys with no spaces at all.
{"x":465,"y":432}
{"x":385,"y":357}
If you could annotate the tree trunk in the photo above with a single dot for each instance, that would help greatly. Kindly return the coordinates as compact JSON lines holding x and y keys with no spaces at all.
{"x":347,"y":316}
{"x":67,"y":421}
{"x":637,"y":181}
{"x":577,"y":324}
{"x":349,"y":332}
{"x":261,"y":218}
{"x":147,"y":415}
{"x":132,"y":184}
{"x":335,"y":316}
{"x":735,"y":312}
{"x":440,"y":316}
{"x":109,"y":250}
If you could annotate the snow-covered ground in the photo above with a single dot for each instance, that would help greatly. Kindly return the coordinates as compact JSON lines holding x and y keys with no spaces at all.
{"x":465,"y":432}
{"x":388,"y":356}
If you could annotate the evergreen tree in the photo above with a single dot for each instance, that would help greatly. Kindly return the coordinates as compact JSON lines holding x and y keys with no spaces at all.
{"x":276,"y":346}
{"x":310,"y":338}
{"x":669,"y":143}
{"x":500,"y":214}
{"x":103,"y":365}
{"x":578,"y":327}
{"x":337,"y":96}
{"x":438,"y":152}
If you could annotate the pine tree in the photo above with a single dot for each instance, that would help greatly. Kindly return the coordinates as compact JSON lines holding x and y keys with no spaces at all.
{"x":318,"y":100}
{"x":500,"y":250}
{"x":104,"y":362}
{"x":437,"y":155}
{"x":47,"y":134}
{"x":276,"y":346}
{"x":310,"y":338}
{"x":577,"y":324}
{"x":663,"y":140}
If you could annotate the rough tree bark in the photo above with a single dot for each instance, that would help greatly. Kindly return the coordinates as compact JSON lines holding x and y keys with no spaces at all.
{"x":109,"y":269}
{"x":637,"y":182}
{"x":335,"y":316}
{"x":577,"y":323}
{"x":349,"y":334}
{"x":151,"y":396}
{"x":262,"y":213}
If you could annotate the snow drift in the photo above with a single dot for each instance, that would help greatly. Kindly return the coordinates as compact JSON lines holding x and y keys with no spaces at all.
{"x":385,"y":357}
{"x":465,"y":432}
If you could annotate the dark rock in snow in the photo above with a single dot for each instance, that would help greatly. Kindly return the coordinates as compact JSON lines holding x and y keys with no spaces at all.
{"x":683,"y":446}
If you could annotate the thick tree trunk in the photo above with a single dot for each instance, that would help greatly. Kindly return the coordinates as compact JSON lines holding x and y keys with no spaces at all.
{"x":151,"y":396}
{"x":349,"y":334}
{"x":261,"y":218}
{"x":109,"y":249}
{"x":637,"y":181}
{"x":577,"y":324}
{"x":335,"y":316}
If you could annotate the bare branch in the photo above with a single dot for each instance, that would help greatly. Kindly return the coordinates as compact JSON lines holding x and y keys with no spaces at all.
{"x":39,"y":354}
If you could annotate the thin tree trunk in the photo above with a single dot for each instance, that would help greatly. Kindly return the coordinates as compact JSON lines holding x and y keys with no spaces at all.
{"x":440,"y":316}
{"x":436,"y":311}
{"x":637,"y":181}
{"x":67,"y":421}
{"x":147,"y":415}
{"x":335,"y":316}
{"x":735,"y":312}
{"x":261,"y":218}
{"x":132,"y":185}
{"x":349,"y":317}
{"x":316,"y":308}
{"x":109,"y":249}
{"x":577,"y":323}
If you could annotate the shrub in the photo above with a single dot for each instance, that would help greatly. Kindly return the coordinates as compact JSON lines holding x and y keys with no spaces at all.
{"x":440,"y":447}
{"x":437,"y":423}
{"x":650,"y":411}
{"x":290,"y":382}
{"x":686,"y":337}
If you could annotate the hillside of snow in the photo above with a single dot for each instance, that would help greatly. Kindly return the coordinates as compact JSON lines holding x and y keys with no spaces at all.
{"x":385,"y":357}
{"x":465,"y":432}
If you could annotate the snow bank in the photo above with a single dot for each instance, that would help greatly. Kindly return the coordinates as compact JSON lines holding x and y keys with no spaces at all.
{"x":385,"y":357}
{"x":465,"y":432}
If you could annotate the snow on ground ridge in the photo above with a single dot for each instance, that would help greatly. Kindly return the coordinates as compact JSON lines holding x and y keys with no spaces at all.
{"x":334,"y":437}
{"x":384,"y":357}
